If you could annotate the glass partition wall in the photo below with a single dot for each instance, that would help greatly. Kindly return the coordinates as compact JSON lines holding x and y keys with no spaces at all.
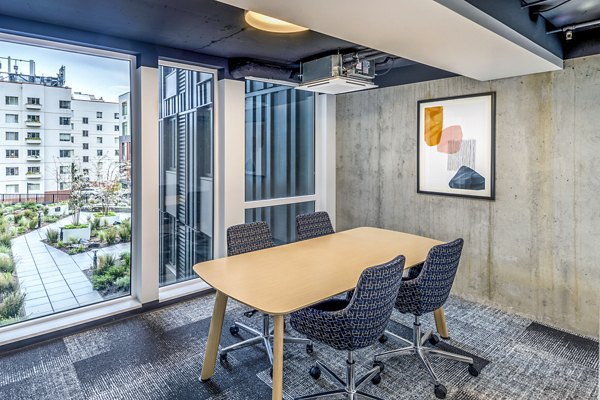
{"x":186,"y":171}
{"x":279,"y":156}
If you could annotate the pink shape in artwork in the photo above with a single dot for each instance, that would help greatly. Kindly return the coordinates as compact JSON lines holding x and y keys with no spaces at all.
{"x":451,"y":140}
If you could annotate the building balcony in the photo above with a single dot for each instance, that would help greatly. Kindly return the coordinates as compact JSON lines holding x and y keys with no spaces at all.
{"x":33,"y":106}
{"x":34,"y":158}
{"x":32,"y":123}
{"x":33,"y":140}
{"x":34,"y":175}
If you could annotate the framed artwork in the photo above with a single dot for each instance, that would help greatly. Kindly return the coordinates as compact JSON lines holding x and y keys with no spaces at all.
{"x":456,"y":146}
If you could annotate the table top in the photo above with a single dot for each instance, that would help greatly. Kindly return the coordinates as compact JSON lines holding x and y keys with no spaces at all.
{"x":283,"y":279}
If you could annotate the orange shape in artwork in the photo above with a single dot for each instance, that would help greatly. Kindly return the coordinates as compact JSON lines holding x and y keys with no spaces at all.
{"x":451,"y":140}
{"x":434,"y":120}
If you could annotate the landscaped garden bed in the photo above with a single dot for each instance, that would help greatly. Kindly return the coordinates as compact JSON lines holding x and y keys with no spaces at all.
{"x":111,"y":276}
{"x":99,"y":235}
{"x":11,"y":299}
{"x":21,"y":218}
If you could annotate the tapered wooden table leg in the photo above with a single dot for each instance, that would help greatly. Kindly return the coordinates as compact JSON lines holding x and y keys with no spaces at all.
{"x":278,"y":358}
{"x":440,"y":323}
{"x":214,"y":337}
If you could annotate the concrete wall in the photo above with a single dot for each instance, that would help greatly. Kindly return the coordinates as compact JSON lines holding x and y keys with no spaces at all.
{"x":534,"y":250}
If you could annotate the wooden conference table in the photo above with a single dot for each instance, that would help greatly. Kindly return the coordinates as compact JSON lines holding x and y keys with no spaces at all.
{"x":283,"y":279}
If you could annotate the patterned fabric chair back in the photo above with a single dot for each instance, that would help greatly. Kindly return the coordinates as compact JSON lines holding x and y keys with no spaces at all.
{"x":245,"y":238}
{"x":313,"y":225}
{"x":431,"y":288}
{"x":373,"y":301}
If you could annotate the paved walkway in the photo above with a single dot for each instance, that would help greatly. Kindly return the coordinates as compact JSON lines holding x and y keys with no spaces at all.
{"x":52,"y":280}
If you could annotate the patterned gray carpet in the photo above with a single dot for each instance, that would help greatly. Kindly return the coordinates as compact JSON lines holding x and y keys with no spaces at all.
{"x":158,"y":355}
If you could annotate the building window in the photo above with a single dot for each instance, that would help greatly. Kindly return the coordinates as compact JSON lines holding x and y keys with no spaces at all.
{"x":12,"y":135}
{"x":98,"y":114}
{"x":99,"y":153}
{"x":116,"y":115}
{"x":125,"y":128}
{"x":116,"y":140}
{"x":86,"y":158}
{"x":85,"y":171}
{"x":116,"y":128}
{"x":99,"y":140}
{"x":12,"y":100}
{"x":33,"y":170}
{"x":124,"y":108}
{"x":84,"y":120}
{"x":33,"y":135}
{"x":98,"y":127}
{"x":65,"y":137}
{"x":66,"y":104}
{"x":12,"y":171}
{"x":64,"y":121}
{"x":33,"y":100}
{"x":11,"y":118}
{"x":12,"y":189}
{"x":32,"y":187}
{"x":86,"y":133}
{"x":12,"y":153}
{"x":33,"y":118}
{"x":64,"y":169}
{"x":64,"y":186}
{"x":86,"y":146}
{"x":64,"y":153}
{"x":33,"y":153}
{"x":117,"y":152}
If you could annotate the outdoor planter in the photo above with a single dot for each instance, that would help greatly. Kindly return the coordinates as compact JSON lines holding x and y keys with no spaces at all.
{"x":78,"y":233}
{"x":106,"y":219}
{"x":58,"y":209}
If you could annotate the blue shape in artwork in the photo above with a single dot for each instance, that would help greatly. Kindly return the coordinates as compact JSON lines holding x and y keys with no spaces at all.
{"x":466,"y":178}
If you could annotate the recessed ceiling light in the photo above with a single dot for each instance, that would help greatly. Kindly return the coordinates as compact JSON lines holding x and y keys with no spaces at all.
{"x":270,"y":24}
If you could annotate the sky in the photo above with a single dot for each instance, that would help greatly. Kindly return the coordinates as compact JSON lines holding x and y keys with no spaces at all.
{"x":100,"y":76}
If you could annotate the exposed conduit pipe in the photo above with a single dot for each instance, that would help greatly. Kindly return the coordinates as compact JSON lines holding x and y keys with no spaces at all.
{"x":576,"y":26}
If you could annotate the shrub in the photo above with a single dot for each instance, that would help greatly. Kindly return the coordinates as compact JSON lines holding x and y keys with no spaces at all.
{"x":30,"y":205}
{"x":95,"y":224}
{"x":46,"y":210}
{"x":5,"y":249}
{"x":33,"y":223}
{"x":73,"y":240}
{"x":24,"y":223}
{"x":50,"y":218}
{"x":60,"y":244}
{"x":29,"y":214}
{"x":52,"y":235}
{"x":111,"y":236}
{"x":100,"y":282}
{"x":101,"y":214}
{"x":76,"y":226}
{"x":125,"y":233}
{"x":7,"y":264}
{"x":5,"y":240}
{"x":17,"y":218}
{"x":126,"y":259}
{"x":123,"y":282}
{"x":105,"y":262}
{"x":12,"y":305}
{"x":7,"y":283}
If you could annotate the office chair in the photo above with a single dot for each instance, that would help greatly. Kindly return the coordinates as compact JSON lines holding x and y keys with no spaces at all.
{"x":349,"y":325}
{"x":313,"y":225}
{"x":423,"y":294}
{"x":241,"y":239}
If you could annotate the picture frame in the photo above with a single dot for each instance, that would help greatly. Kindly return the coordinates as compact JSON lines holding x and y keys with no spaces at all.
{"x":456,"y":146}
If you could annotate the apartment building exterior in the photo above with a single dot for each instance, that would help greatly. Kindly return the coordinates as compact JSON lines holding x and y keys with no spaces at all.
{"x":45,"y":128}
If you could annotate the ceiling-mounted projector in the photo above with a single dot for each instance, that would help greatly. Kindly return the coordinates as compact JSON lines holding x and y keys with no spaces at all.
{"x":329,"y":75}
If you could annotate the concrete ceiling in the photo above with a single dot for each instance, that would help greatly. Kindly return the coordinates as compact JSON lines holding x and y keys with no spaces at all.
{"x":451,"y":35}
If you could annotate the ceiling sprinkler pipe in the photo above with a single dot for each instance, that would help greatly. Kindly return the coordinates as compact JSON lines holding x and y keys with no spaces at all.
{"x":574,"y":27}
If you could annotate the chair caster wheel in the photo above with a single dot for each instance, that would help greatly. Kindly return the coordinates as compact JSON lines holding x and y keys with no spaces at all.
{"x":379,"y":364}
{"x":375,"y":380}
{"x":473,"y":370}
{"x":234,"y":330}
{"x":383,"y":339}
{"x":434,"y":339}
{"x":309,"y":348}
{"x":440,"y":391}
{"x":315,"y":372}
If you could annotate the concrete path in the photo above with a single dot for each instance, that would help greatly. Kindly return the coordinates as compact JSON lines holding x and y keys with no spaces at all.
{"x":52,"y":280}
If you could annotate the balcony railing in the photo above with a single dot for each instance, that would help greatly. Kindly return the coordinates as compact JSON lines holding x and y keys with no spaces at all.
{"x":33,"y":140}
{"x":33,"y":123}
{"x":33,"y":106}
{"x":33,"y":175}
{"x":34,"y":158}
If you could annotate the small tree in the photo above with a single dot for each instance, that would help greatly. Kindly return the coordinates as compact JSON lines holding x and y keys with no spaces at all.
{"x":77,"y":198}
{"x":108,"y":183}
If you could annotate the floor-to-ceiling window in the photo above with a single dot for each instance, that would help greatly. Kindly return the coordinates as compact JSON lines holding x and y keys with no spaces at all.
{"x":186,"y":170}
{"x":65,"y":201}
{"x":279,"y":156}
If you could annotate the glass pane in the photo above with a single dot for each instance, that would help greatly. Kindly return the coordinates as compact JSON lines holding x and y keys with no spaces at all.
{"x":186,"y":172}
{"x":281,"y":219}
{"x":65,"y":206}
{"x":280,"y":141}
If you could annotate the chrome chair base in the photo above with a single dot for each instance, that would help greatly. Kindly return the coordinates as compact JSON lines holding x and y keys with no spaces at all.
{"x":265,"y":337}
{"x":350,"y":387}
{"x":416,"y":348}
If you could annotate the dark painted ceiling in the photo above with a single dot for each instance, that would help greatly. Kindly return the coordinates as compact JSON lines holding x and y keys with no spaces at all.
{"x":561,"y":13}
{"x":204,"y":26}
